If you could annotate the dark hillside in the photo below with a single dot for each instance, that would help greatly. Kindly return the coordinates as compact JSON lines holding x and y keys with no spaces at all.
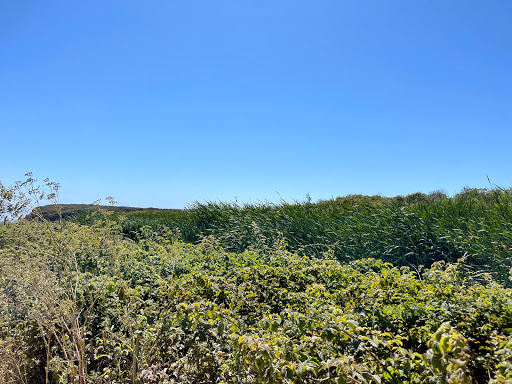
{"x":50,"y":212}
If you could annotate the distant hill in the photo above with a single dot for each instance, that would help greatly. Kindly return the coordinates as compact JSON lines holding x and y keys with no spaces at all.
{"x":50,"y":213}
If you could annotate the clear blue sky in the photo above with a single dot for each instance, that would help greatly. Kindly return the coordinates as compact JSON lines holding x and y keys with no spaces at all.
{"x":161,"y":103}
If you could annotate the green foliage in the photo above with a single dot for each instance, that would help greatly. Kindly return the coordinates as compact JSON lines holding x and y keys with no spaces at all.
{"x":417,"y":229}
{"x":257,"y":294}
{"x":197,"y":313}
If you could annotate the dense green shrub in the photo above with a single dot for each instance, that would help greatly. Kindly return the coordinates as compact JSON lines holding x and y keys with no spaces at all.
{"x":257,"y":293}
{"x":413,"y":230}
{"x":82,"y":302}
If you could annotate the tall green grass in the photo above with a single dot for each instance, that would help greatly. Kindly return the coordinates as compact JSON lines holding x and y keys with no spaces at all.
{"x":417,"y":229}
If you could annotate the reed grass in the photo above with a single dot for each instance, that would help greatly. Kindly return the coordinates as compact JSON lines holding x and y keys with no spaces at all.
{"x":417,"y":230}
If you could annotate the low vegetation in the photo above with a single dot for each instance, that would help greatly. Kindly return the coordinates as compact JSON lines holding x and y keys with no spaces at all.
{"x":354,"y":290}
{"x":418,"y":229}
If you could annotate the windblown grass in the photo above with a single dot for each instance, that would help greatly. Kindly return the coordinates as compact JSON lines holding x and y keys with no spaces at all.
{"x":85,"y":303}
{"x":415,"y":230}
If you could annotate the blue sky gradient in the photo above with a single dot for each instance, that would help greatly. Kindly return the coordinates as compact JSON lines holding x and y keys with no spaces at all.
{"x":161,"y":103}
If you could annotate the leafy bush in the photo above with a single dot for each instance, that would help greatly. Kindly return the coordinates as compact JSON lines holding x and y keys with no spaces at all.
{"x":413,"y":230}
{"x":83,"y":303}
{"x":102,"y":308}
